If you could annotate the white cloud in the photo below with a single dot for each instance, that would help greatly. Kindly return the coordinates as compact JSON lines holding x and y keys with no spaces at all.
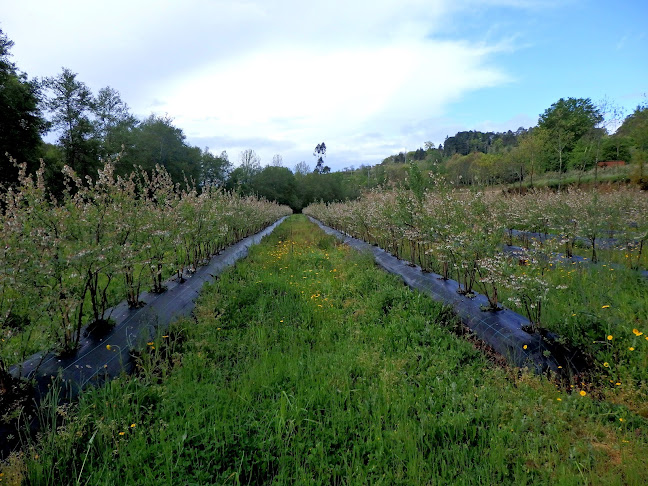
{"x":290,"y":72}
{"x":331,"y":94}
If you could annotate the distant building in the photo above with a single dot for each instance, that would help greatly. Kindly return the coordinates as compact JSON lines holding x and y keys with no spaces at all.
{"x":611,"y":163}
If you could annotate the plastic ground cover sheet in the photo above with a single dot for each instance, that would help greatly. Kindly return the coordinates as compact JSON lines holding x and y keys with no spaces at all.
{"x":502,"y":330}
{"x":562,"y":259}
{"x":94,"y":362}
{"x":602,"y":243}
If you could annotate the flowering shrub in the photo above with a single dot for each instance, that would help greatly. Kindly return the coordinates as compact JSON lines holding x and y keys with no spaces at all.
{"x":66,"y":260}
{"x":459,"y":234}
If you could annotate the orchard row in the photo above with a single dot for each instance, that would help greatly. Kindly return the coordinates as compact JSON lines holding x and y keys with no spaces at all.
{"x":464,"y":236}
{"x":64,"y":261}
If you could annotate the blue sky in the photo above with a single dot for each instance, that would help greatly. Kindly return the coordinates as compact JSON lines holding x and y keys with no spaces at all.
{"x":585,"y":49}
{"x":367,"y":77}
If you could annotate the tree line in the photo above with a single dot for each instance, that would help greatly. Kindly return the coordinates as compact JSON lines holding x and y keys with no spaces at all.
{"x":572,"y":134}
{"x":94,"y":128}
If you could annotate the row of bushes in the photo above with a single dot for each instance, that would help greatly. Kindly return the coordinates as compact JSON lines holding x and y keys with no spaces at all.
{"x":64,"y":261}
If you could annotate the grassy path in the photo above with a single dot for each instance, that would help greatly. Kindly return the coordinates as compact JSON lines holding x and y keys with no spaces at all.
{"x":307,"y":365}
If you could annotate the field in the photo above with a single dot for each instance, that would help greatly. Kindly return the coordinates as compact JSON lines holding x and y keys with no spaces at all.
{"x":599,"y":309}
{"x":307,"y":365}
{"x":66,"y":261}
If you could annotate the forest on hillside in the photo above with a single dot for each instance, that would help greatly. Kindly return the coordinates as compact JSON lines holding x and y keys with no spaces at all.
{"x":573,"y":134}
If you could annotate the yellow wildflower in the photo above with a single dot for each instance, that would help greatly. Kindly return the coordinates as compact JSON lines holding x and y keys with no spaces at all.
{"x":583,"y":393}
{"x":610,"y":337}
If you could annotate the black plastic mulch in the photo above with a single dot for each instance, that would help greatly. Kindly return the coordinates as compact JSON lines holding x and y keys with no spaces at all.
{"x":501,"y":330}
{"x":561,"y":259}
{"x":94,"y":362}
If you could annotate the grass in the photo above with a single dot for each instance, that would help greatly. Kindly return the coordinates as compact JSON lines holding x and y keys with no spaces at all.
{"x":307,"y":365}
{"x":609,"y":175}
{"x":604,"y":313}
{"x":600,"y":300}
{"x":22,"y":338}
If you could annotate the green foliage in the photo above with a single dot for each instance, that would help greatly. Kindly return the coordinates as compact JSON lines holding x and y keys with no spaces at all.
{"x":70,"y":103}
{"x":112,"y":122}
{"x":65,"y":260}
{"x":464,"y":143}
{"x":21,"y":121}
{"x":214,"y":170}
{"x":459,"y":234}
{"x":310,"y":366}
{"x":617,"y":147}
{"x":277,"y":184}
{"x":566,"y":121}
{"x":635,"y":127}
{"x":156,"y":141}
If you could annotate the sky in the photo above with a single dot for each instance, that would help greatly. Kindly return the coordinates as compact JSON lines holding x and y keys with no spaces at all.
{"x":369,"y":78}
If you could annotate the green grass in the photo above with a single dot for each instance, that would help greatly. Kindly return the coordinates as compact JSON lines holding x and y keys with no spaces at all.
{"x":24,"y":338}
{"x":601,"y":300}
{"x":607,"y":175}
{"x":308,"y":365}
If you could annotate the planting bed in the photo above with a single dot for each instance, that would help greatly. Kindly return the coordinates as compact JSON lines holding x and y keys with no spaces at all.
{"x":502,"y":330}
{"x":306,"y":364}
{"x":104,"y":356}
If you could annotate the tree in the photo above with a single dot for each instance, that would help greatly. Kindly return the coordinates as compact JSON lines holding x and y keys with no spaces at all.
{"x":635,"y":127}
{"x":112,"y":122}
{"x":250,"y":163}
{"x":320,"y":153}
{"x":616,"y":147}
{"x":567,"y":120}
{"x":240,"y":178}
{"x":214,"y":170}
{"x":302,"y":168}
{"x":156,"y":141}
{"x":21,"y":121}
{"x":277,"y":184}
{"x":429,"y":146}
{"x":70,"y":104}
{"x":530,"y":146}
{"x":418,"y":154}
{"x":277,"y":160}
